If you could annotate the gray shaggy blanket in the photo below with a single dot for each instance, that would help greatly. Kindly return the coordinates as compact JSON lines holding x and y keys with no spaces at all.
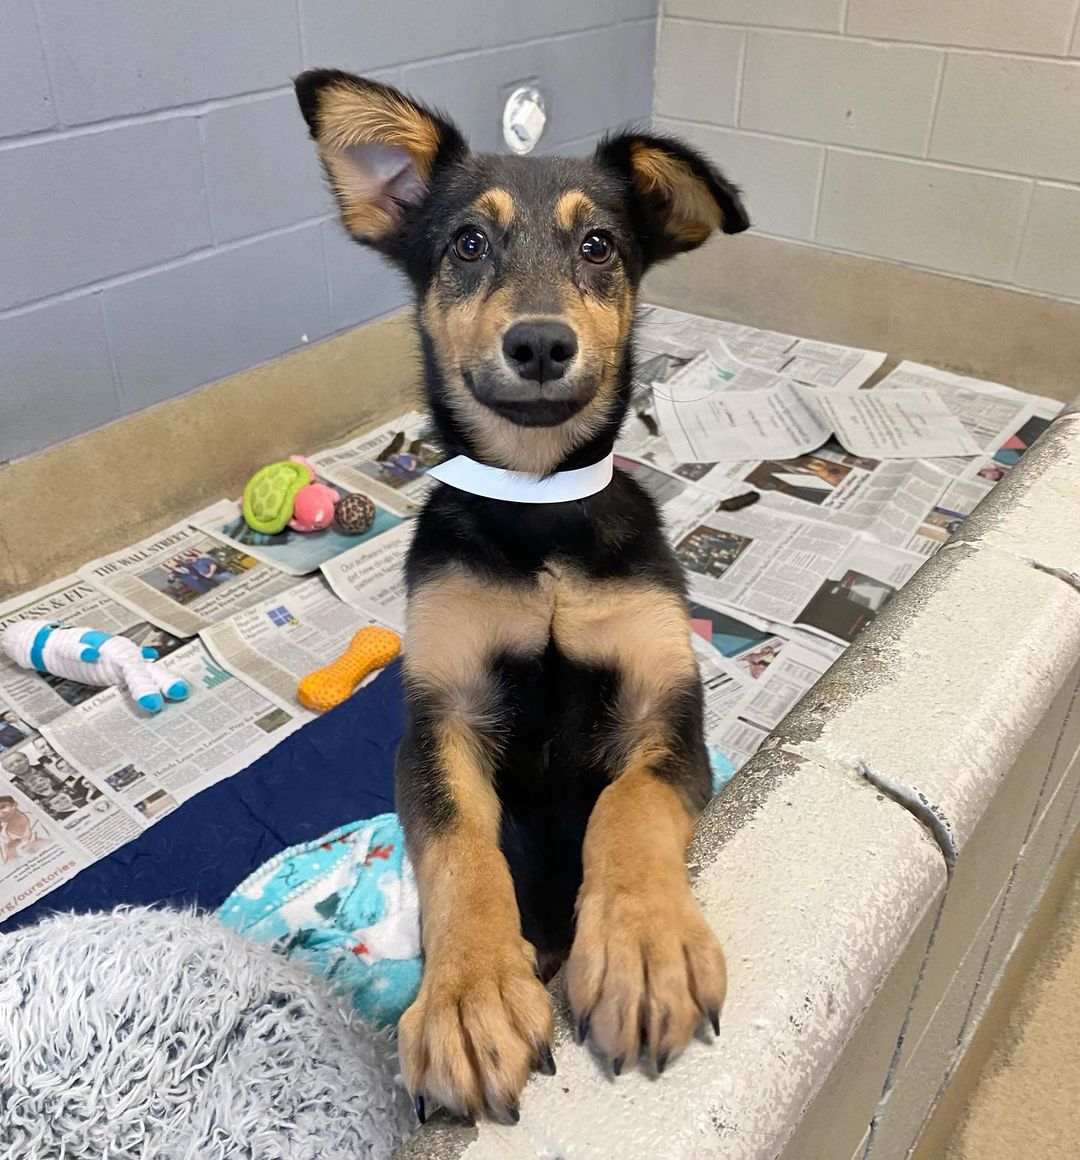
{"x":159,"y":1035}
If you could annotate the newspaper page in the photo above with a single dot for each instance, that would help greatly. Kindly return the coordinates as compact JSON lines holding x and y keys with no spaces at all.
{"x":291,"y":552}
{"x":821,"y":364}
{"x":903,"y":423}
{"x":152,"y":764}
{"x":182,"y":580}
{"x":35,"y":854}
{"x":389,"y":464}
{"x":371,"y":576}
{"x":36,"y":698}
{"x":988,"y":411}
{"x":725,"y":688}
{"x":759,"y":560}
{"x":947,"y":515}
{"x":789,"y":678}
{"x":271,"y":646}
{"x":858,"y":586}
{"x":704,"y":423}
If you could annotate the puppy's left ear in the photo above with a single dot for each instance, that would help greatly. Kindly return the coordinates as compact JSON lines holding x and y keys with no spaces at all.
{"x":678,"y":197}
{"x":379,"y":148}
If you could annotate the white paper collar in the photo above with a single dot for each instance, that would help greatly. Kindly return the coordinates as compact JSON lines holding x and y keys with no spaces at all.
{"x":523,"y":486}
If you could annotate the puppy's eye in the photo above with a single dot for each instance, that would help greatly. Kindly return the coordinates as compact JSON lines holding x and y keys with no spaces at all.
{"x":471,"y":244}
{"x":597,"y":247}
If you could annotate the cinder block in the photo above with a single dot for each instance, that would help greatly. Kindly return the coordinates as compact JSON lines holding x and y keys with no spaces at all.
{"x":826,"y":15}
{"x":91,"y":206}
{"x":115,"y":57}
{"x":984,"y":868}
{"x":262,"y":171}
{"x":1074,"y":48}
{"x":1037,"y":26}
{"x":343,"y":34}
{"x":1011,"y":114}
{"x":361,"y":284}
{"x":217,"y":314}
{"x":1035,"y":868}
{"x":27,"y":104}
{"x":778,"y":178}
{"x":1050,"y":256}
{"x":909,"y":211}
{"x":525,"y":19}
{"x":55,"y":377}
{"x":582,"y":99}
{"x":468,"y":91}
{"x":849,"y":92}
{"x":925,"y":1065}
{"x":837,"y":1121}
{"x":697,"y":71}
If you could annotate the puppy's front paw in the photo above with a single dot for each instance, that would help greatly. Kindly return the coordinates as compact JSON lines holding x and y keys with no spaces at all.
{"x":479,"y":1025}
{"x":644,"y":973}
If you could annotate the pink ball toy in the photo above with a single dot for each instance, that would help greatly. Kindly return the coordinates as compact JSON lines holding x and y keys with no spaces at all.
{"x":313,"y":508}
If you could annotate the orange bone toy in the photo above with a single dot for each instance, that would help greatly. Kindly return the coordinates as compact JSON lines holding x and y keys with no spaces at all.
{"x":369,"y":649}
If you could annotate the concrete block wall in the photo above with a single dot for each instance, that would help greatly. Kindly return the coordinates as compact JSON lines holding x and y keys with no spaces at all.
{"x":940,"y":134}
{"x":164,"y":222}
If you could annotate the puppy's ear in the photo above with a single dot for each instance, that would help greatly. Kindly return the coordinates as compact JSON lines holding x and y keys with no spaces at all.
{"x":378,"y":146}
{"x":678,"y":197}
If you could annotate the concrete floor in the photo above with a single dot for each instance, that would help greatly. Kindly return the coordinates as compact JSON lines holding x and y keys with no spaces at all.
{"x":1025,"y":1101}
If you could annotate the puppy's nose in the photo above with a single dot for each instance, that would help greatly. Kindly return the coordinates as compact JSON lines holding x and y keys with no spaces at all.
{"x":540,"y":351}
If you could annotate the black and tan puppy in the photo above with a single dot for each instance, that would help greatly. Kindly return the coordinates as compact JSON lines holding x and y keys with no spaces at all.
{"x":554,"y":759}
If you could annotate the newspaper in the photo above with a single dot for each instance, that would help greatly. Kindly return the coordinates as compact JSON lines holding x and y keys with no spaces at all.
{"x":988,"y":411}
{"x":293,"y":553}
{"x":789,"y":678}
{"x":703,"y":422}
{"x":103,"y":772}
{"x":183,"y":580}
{"x":388,"y":464}
{"x":857,"y":587}
{"x":725,"y":687}
{"x":759,"y":560}
{"x":271,"y":646}
{"x":154,"y":763}
{"x":947,"y":515}
{"x":822,"y":364}
{"x":38,"y":698}
{"x":371,"y":576}
{"x":903,"y":423}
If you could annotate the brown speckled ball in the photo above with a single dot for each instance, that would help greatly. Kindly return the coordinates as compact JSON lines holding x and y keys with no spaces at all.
{"x":354,"y":514}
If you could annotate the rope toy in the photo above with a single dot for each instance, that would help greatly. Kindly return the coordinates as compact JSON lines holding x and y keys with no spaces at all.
{"x":93,"y":658}
{"x":370,"y":648}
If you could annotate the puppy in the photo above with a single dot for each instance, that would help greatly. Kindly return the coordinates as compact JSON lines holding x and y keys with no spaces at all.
{"x":554,"y":759}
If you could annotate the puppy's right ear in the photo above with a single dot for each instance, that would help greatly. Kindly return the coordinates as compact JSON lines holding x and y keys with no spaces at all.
{"x":378,"y":146}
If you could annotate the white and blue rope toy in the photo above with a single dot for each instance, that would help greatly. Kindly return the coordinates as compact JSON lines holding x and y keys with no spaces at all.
{"x":93,"y":658}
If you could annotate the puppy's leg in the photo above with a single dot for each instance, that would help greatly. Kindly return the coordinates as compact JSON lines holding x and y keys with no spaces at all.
{"x":482,"y":1019}
{"x":645,"y":969}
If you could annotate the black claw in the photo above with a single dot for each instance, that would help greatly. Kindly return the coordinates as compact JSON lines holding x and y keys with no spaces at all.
{"x":547,"y":1062}
{"x":714,"y":1019}
{"x":616,"y":1065}
{"x":421,"y":1113}
{"x":509,"y":1117}
{"x":583,"y":1029}
{"x":661,"y":1062}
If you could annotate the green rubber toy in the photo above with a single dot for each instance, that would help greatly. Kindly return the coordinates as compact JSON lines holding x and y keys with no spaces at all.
{"x":269,"y":495}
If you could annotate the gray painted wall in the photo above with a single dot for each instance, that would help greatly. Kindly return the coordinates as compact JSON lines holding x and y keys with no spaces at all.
{"x":163,"y":221}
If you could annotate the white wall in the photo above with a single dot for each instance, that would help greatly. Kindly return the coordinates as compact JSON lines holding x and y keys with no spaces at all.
{"x":943,"y":134}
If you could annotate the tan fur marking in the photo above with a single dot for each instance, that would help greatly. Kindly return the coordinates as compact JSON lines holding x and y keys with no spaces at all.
{"x":351,"y":116}
{"x":572,"y":208}
{"x":692,"y":211}
{"x":472,"y":1036}
{"x":643,"y":955}
{"x":498,"y":205}
{"x":456,"y":622}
